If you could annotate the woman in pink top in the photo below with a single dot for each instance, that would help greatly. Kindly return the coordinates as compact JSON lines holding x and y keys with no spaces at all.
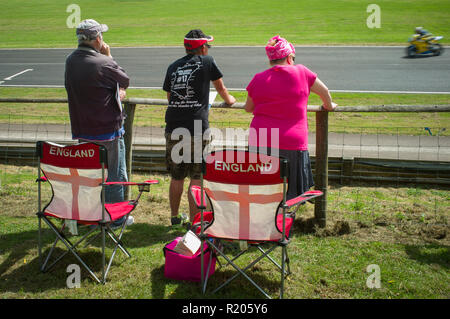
{"x":278,"y":98}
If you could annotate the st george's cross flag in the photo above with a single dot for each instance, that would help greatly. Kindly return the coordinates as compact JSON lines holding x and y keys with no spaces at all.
{"x":246,"y":190}
{"x":75,"y":174}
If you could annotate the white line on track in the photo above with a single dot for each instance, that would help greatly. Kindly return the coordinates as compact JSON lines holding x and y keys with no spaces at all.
{"x":17,"y":74}
{"x":33,"y":86}
{"x":31,"y":63}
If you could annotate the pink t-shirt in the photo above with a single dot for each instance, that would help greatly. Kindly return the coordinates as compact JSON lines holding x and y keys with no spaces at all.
{"x":280,"y":95}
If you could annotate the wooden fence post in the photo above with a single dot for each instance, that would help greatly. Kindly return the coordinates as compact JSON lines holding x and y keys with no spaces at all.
{"x":321,"y":167}
{"x":128,"y":138}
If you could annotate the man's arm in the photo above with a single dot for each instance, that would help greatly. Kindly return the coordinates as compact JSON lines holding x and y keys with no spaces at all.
{"x":322,"y":91}
{"x":223,"y":92}
{"x":113,"y":71}
{"x":115,"y":74}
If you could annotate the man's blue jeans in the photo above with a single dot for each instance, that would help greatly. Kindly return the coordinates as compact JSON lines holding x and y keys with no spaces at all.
{"x":117,"y":169}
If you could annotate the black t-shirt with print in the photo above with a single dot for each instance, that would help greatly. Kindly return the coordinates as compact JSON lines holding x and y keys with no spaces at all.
{"x":188,"y":81}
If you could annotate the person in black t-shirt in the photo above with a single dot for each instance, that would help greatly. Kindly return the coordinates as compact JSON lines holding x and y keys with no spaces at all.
{"x":187,"y":84}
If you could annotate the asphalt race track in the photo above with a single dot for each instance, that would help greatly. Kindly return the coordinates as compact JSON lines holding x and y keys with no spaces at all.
{"x":369,"y":69}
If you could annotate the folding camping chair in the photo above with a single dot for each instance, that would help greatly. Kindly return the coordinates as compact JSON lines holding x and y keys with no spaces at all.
{"x":246,"y":194}
{"x":77,"y":175}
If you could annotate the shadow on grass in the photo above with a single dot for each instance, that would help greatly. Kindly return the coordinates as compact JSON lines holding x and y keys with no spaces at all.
{"x":239,"y":288}
{"x":264,"y":273}
{"x":430,"y":254}
{"x":20,"y":269}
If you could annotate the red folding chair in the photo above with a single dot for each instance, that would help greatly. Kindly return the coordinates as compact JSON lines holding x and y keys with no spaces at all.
{"x":245,"y":194}
{"x":77,"y":175}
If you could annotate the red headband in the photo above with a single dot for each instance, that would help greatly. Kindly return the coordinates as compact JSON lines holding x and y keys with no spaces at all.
{"x":194,"y":43}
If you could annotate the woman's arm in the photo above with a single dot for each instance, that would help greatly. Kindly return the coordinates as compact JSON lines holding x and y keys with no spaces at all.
{"x":322,"y":91}
{"x":249,"y":105}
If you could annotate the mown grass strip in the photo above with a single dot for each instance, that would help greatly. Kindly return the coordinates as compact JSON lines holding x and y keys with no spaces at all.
{"x":28,"y":23}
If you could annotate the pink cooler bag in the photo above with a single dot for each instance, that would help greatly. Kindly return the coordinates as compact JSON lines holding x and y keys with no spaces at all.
{"x":181,"y":267}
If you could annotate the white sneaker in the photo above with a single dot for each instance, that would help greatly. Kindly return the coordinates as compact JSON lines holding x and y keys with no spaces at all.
{"x":130,"y":220}
{"x":184,"y":218}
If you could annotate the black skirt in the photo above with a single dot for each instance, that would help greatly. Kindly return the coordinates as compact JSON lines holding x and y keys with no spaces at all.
{"x":300,"y":177}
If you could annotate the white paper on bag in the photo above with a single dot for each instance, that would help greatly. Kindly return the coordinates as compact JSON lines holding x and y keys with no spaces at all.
{"x":188,"y":245}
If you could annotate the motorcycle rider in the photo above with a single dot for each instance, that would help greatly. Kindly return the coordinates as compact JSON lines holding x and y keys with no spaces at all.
{"x":423,"y":42}
{"x":423,"y":34}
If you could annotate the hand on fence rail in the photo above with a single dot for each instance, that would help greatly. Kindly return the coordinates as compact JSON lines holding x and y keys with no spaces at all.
{"x":330,"y":107}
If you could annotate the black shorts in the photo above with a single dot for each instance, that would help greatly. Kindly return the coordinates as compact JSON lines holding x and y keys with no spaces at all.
{"x":181,"y":165}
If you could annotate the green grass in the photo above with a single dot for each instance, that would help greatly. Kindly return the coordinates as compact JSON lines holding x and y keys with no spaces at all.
{"x":402,"y":233}
{"x":368,"y":123}
{"x":165,"y":22}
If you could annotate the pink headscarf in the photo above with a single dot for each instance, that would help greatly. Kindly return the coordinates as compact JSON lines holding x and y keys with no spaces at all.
{"x":280,"y":50}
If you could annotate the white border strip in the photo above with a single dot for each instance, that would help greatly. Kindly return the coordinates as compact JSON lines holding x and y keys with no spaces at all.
{"x":31,"y":86}
{"x":17,"y":74}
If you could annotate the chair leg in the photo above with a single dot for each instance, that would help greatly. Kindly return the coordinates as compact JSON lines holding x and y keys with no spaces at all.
{"x":275,"y":262}
{"x":40,"y":238}
{"x":288,"y":263}
{"x":70,"y":248}
{"x":103,"y":229}
{"x":242,"y":271}
{"x":283,"y":262}
{"x":207,"y":272}
{"x":284,"y":268}
{"x":73,"y":247}
{"x":117,"y":238}
{"x":43,"y":266}
{"x":117,"y":241}
{"x":202,"y":267}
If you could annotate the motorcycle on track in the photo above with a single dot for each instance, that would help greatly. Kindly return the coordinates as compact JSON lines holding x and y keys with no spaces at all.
{"x":424,"y":45}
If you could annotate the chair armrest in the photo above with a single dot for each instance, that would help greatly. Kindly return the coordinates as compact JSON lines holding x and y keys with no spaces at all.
{"x":148,"y":182}
{"x":41,"y":179}
{"x":143,"y":186}
{"x":195,"y":192}
{"x":303,"y":198}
